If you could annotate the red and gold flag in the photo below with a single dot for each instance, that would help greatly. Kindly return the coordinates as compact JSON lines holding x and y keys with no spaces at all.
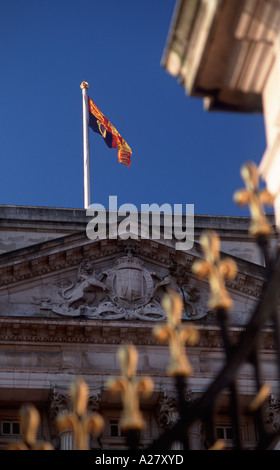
{"x":100,"y":124}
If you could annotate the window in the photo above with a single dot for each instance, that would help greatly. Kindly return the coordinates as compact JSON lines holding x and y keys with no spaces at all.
{"x":115,"y":430}
{"x":225,"y":432}
{"x":113,"y":437}
{"x":11,"y":428}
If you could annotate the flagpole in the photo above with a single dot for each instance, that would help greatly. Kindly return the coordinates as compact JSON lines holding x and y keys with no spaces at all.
{"x":84,"y":86}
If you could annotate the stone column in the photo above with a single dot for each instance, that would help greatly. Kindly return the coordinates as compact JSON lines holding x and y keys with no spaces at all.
{"x":60,"y":403}
{"x":66,"y":440}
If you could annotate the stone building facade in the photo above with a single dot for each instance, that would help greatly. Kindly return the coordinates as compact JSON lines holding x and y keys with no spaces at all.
{"x":67,"y":303}
{"x":228,"y":53}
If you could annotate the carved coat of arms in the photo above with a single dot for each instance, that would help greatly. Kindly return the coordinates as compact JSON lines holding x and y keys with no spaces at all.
{"x":129,"y":283}
{"x":126,"y":291}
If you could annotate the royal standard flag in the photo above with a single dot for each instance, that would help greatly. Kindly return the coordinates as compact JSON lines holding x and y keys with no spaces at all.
{"x":100,"y":124}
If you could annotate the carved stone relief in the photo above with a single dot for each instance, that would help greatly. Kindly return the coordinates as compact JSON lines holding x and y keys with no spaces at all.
{"x":167,"y":408}
{"x":58,"y":403}
{"x":128,"y":291}
{"x":166,"y":411}
{"x":272,"y":414}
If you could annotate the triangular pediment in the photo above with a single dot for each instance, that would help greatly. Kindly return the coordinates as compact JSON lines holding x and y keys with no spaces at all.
{"x":110,"y":279}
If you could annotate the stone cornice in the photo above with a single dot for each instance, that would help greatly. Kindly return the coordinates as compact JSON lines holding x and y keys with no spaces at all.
{"x":28,"y":217}
{"x":42,"y":331}
{"x":66,"y":252}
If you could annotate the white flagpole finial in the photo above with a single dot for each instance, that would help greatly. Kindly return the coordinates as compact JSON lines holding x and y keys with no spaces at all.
{"x":84,"y":87}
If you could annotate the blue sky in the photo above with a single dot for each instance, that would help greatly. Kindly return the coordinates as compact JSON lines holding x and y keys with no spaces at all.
{"x":181,"y":154}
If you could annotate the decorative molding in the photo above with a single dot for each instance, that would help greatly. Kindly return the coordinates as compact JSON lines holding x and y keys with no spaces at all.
{"x":94,"y":401}
{"x":29,"y":263}
{"x":272,"y":414}
{"x":246,"y":284}
{"x":40,"y":263}
{"x":57,"y":403}
{"x":127,"y":290}
{"x":166,"y":411}
{"x":167,"y":408}
{"x":82,"y":331}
